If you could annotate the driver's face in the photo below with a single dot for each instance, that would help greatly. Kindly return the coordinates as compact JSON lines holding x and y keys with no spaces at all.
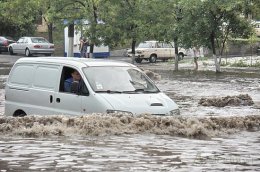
{"x":76,"y":76}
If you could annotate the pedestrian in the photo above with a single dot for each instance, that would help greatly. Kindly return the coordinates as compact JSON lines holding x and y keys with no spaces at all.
{"x":196,"y":55}
{"x":83,"y":47}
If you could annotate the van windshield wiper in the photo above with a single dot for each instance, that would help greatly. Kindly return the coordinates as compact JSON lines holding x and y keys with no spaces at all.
{"x":139,"y":91}
{"x":108,"y":91}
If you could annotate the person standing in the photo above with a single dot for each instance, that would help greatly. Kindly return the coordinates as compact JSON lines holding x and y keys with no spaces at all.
{"x":196,"y":55}
{"x":83,"y":47}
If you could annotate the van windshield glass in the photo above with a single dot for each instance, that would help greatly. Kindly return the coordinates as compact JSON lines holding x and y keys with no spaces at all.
{"x":119,"y":80}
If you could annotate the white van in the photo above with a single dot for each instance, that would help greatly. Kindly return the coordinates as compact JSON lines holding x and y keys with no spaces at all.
{"x":36,"y":86}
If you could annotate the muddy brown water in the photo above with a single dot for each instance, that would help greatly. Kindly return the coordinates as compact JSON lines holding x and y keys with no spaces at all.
{"x":201,"y":139}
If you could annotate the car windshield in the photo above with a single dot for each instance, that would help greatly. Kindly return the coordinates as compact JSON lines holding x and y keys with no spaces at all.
{"x":39,"y":40}
{"x":146,"y":45}
{"x":119,"y":80}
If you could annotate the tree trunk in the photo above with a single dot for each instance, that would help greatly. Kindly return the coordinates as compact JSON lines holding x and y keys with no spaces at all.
{"x":92,"y":44}
{"x":196,"y":63}
{"x":50,"y":32}
{"x":176,"y":64}
{"x":91,"y":50}
{"x":216,"y":63}
{"x":212,"y":40}
{"x":133,"y":51}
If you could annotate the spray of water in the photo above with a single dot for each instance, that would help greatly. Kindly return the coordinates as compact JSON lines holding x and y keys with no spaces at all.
{"x":118,"y":124}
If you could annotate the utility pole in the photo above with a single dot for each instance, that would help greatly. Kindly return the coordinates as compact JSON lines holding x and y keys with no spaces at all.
{"x":71,"y":40}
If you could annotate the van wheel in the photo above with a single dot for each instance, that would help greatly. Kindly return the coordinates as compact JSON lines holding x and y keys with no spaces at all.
{"x":153,"y":58}
{"x":19,"y":113}
{"x":138,"y":60}
{"x":27,"y":52}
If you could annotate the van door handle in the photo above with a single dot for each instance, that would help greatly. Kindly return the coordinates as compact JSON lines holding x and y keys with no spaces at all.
{"x":51,"y":98}
{"x":58,"y":100}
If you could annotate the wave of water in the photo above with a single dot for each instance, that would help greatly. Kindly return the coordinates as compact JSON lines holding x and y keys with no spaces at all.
{"x":118,"y":124}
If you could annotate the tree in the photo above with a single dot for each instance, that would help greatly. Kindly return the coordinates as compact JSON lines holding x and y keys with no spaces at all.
{"x":122,"y":19}
{"x":211,"y":23}
{"x":17,"y":17}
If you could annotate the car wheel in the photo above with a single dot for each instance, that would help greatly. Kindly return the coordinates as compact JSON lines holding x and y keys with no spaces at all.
{"x":153,"y":58}
{"x":27,"y":52}
{"x":181,"y":56}
{"x":138,"y":60}
{"x":11,"y":51}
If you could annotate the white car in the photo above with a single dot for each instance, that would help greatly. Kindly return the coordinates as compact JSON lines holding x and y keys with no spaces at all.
{"x":153,"y":50}
{"x":257,"y":28}
{"x":31,"y":45}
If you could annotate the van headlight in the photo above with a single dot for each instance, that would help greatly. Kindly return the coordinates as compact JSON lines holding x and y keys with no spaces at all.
{"x":175,"y":112}
{"x":109,"y":111}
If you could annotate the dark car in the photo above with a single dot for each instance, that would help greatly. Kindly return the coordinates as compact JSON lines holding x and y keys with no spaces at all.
{"x":4,"y":43}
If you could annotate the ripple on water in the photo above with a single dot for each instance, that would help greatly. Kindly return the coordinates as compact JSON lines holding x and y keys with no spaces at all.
{"x":135,"y":152}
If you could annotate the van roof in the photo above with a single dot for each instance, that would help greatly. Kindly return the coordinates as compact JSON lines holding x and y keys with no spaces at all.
{"x":80,"y":62}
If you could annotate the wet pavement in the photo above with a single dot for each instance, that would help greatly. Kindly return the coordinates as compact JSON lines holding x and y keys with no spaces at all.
{"x":201,"y":139}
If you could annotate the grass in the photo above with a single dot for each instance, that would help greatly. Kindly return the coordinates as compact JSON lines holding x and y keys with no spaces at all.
{"x":241,"y":63}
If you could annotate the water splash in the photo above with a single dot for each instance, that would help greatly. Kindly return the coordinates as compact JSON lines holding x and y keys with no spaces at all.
{"x":240,"y":100}
{"x":118,"y":124}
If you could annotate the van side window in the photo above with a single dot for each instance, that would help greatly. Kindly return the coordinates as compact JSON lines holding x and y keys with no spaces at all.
{"x":40,"y":79}
{"x":68,"y":77}
{"x":22,"y":75}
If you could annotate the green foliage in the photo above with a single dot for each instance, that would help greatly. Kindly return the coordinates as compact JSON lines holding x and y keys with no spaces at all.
{"x":239,"y":63}
{"x":193,"y":22}
{"x":17,"y":17}
{"x":223,"y":63}
{"x":216,"y":19}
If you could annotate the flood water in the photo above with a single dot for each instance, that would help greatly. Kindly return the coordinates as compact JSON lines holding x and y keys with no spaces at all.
{"x":201,"y":139}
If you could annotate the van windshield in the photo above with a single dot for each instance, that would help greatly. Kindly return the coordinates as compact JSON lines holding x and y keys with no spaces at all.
{"x":119,"y":80}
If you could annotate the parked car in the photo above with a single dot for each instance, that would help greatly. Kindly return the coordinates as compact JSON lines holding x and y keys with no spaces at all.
{"x":32,"y":45}
{"x":257,"y":28}
{"x":5,"y":41}
{"x":154,"y":50}
{"x":38,"y":87}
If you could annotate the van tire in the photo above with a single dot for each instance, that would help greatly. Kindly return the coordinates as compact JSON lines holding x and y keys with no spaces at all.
{"x":19,"y":113}
{"x":153,"y":58}
{"x":27,"y":52}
